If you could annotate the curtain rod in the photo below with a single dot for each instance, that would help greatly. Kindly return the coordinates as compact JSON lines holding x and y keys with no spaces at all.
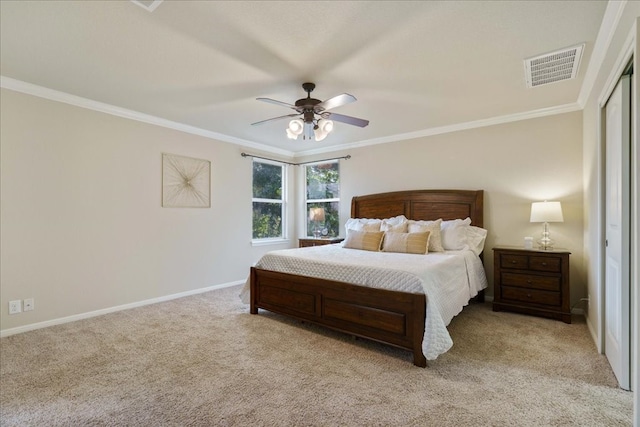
{"x":347,"y":157}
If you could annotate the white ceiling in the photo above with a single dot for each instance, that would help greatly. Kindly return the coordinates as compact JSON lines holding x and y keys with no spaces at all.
{"x":415,"y":67}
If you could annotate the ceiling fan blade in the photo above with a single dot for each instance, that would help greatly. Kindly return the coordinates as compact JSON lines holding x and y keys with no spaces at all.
{"x":275,"y":118}
{"x":273,"y":101}
{"x":336,"y":101}
{"x":346,"y":119}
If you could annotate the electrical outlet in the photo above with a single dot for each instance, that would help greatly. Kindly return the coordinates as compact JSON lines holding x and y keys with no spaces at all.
{"x":28,"y":304}
{"x":15,"y":306}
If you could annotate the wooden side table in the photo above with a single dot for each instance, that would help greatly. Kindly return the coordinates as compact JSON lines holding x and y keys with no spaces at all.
{"x":532,"y":281}
{"x":312,"y":241}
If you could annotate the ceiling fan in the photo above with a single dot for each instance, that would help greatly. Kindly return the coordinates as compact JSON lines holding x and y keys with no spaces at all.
{"x":316,"y":118}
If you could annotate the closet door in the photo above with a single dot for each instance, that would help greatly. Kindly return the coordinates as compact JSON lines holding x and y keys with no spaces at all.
{"x":617,"y":228}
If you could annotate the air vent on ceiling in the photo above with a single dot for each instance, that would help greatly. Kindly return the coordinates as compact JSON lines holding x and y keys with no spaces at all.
{"x":149,"y":5}
{"x":553,"y":67}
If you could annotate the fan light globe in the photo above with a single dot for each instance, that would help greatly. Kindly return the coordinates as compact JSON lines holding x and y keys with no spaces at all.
{"x":319,"y":134}
{"x":291,"y":135}
{"x":296,"y":126}
{"x":325,"y":125}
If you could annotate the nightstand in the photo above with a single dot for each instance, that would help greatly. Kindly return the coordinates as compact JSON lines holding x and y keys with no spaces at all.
{"x":312,"y":241}
{"x":532,"y":282}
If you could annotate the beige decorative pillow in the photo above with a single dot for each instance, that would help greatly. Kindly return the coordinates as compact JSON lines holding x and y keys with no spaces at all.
{"x":408,"y":243}
{"x":434,"y":228}
{"x":365,"y":240}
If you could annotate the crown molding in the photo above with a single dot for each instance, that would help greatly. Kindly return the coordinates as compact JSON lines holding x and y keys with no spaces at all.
{"x":610,"y":20}
{"x":77,"y":101}
{"x":542,"y":112}
{"x":54,"y":95}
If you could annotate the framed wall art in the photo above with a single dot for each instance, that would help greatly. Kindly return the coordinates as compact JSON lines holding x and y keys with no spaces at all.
{"x":186,"y":182}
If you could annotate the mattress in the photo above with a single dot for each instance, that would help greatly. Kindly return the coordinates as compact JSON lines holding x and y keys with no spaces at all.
{"x":448,"y":279}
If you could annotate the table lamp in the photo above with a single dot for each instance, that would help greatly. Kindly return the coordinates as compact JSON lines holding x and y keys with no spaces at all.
{"x":546,"y":212}
{"x":316,"y":215}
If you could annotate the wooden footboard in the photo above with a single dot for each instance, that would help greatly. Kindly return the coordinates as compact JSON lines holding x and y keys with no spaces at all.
{"x":390,"y":317}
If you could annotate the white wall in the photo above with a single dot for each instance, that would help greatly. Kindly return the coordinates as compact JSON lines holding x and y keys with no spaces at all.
{"x":81,"y":219}
{"x":516,"y":164}
{"x":83,"y":228}
{"x":593,"y":169}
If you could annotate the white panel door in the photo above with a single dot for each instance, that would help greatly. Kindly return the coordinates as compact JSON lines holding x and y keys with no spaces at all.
{"x":617,"y":195}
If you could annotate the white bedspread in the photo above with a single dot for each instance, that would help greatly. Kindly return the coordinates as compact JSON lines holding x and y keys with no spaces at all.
{"x":448,"y":279}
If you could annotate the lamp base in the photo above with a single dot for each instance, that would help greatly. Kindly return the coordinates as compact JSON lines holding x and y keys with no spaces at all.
{"x":545,"y":243}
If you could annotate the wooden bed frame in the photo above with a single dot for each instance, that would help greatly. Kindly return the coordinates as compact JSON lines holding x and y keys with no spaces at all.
{"x":390,"y":317}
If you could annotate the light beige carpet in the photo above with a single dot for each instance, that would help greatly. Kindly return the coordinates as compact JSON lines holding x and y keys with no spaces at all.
{"x":205,"y":361}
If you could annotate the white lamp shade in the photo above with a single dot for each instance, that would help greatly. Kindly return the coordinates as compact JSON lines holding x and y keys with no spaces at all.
{"x":546,"y":212}
{"x":316,"y":214}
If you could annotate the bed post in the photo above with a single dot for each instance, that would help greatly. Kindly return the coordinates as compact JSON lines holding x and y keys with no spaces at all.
{"x":419,"y":313}
{"x":253,"y":309}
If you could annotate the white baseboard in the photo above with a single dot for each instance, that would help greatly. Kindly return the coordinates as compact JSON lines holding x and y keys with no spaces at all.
{"x":59,"y":321}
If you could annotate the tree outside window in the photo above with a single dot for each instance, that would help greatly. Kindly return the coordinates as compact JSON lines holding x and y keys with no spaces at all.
{"x":268,"y":200}
{"x":323,"y":191}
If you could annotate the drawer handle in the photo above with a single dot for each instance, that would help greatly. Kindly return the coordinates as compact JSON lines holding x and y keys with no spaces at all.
{"x":544,"y":263}
{"x":528,"y":295}
{"x":514,"y":261}
{"x":529,"y":282}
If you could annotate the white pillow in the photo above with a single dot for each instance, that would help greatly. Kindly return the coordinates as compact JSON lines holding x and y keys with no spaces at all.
{"x":395,"y":220}
{"x":362,"y":224}
{"x":476,"y":237}
{"x":434,"y":229}
{"x":388,"y":225}
{"x":454,"y":237}
{"x":370,"y":224}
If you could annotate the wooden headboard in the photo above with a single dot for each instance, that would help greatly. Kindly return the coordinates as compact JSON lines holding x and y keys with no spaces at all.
{"x":422,"y":205}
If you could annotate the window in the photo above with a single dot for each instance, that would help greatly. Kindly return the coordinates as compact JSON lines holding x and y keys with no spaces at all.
{"x":323,"y":191}
{"x":268,"y":200}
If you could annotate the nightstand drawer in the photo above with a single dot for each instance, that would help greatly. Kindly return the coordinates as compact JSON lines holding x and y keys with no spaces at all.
{"x":531,"y":296}
{"x":542,"y":263}
{"x":520,"y":262}
{"x":549,"y":283}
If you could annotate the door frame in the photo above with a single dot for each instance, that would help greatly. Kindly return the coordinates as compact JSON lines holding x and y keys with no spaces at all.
{"x":627,"y":54}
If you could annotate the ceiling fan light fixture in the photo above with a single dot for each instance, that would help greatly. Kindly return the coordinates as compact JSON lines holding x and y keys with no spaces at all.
{"x":322,"y":129}
{"x":296,"y":126}
{"x":325,"y":125}
{"x":314,"y":123}
{"x":319,"y":134}
{"x":291,"y":135}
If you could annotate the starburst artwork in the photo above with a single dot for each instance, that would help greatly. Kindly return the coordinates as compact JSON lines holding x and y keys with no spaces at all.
{"x":186,"y":182}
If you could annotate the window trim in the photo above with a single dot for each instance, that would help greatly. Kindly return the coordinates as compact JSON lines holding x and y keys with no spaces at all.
{"x":283,"y":201}
{"x":306,"y":201}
